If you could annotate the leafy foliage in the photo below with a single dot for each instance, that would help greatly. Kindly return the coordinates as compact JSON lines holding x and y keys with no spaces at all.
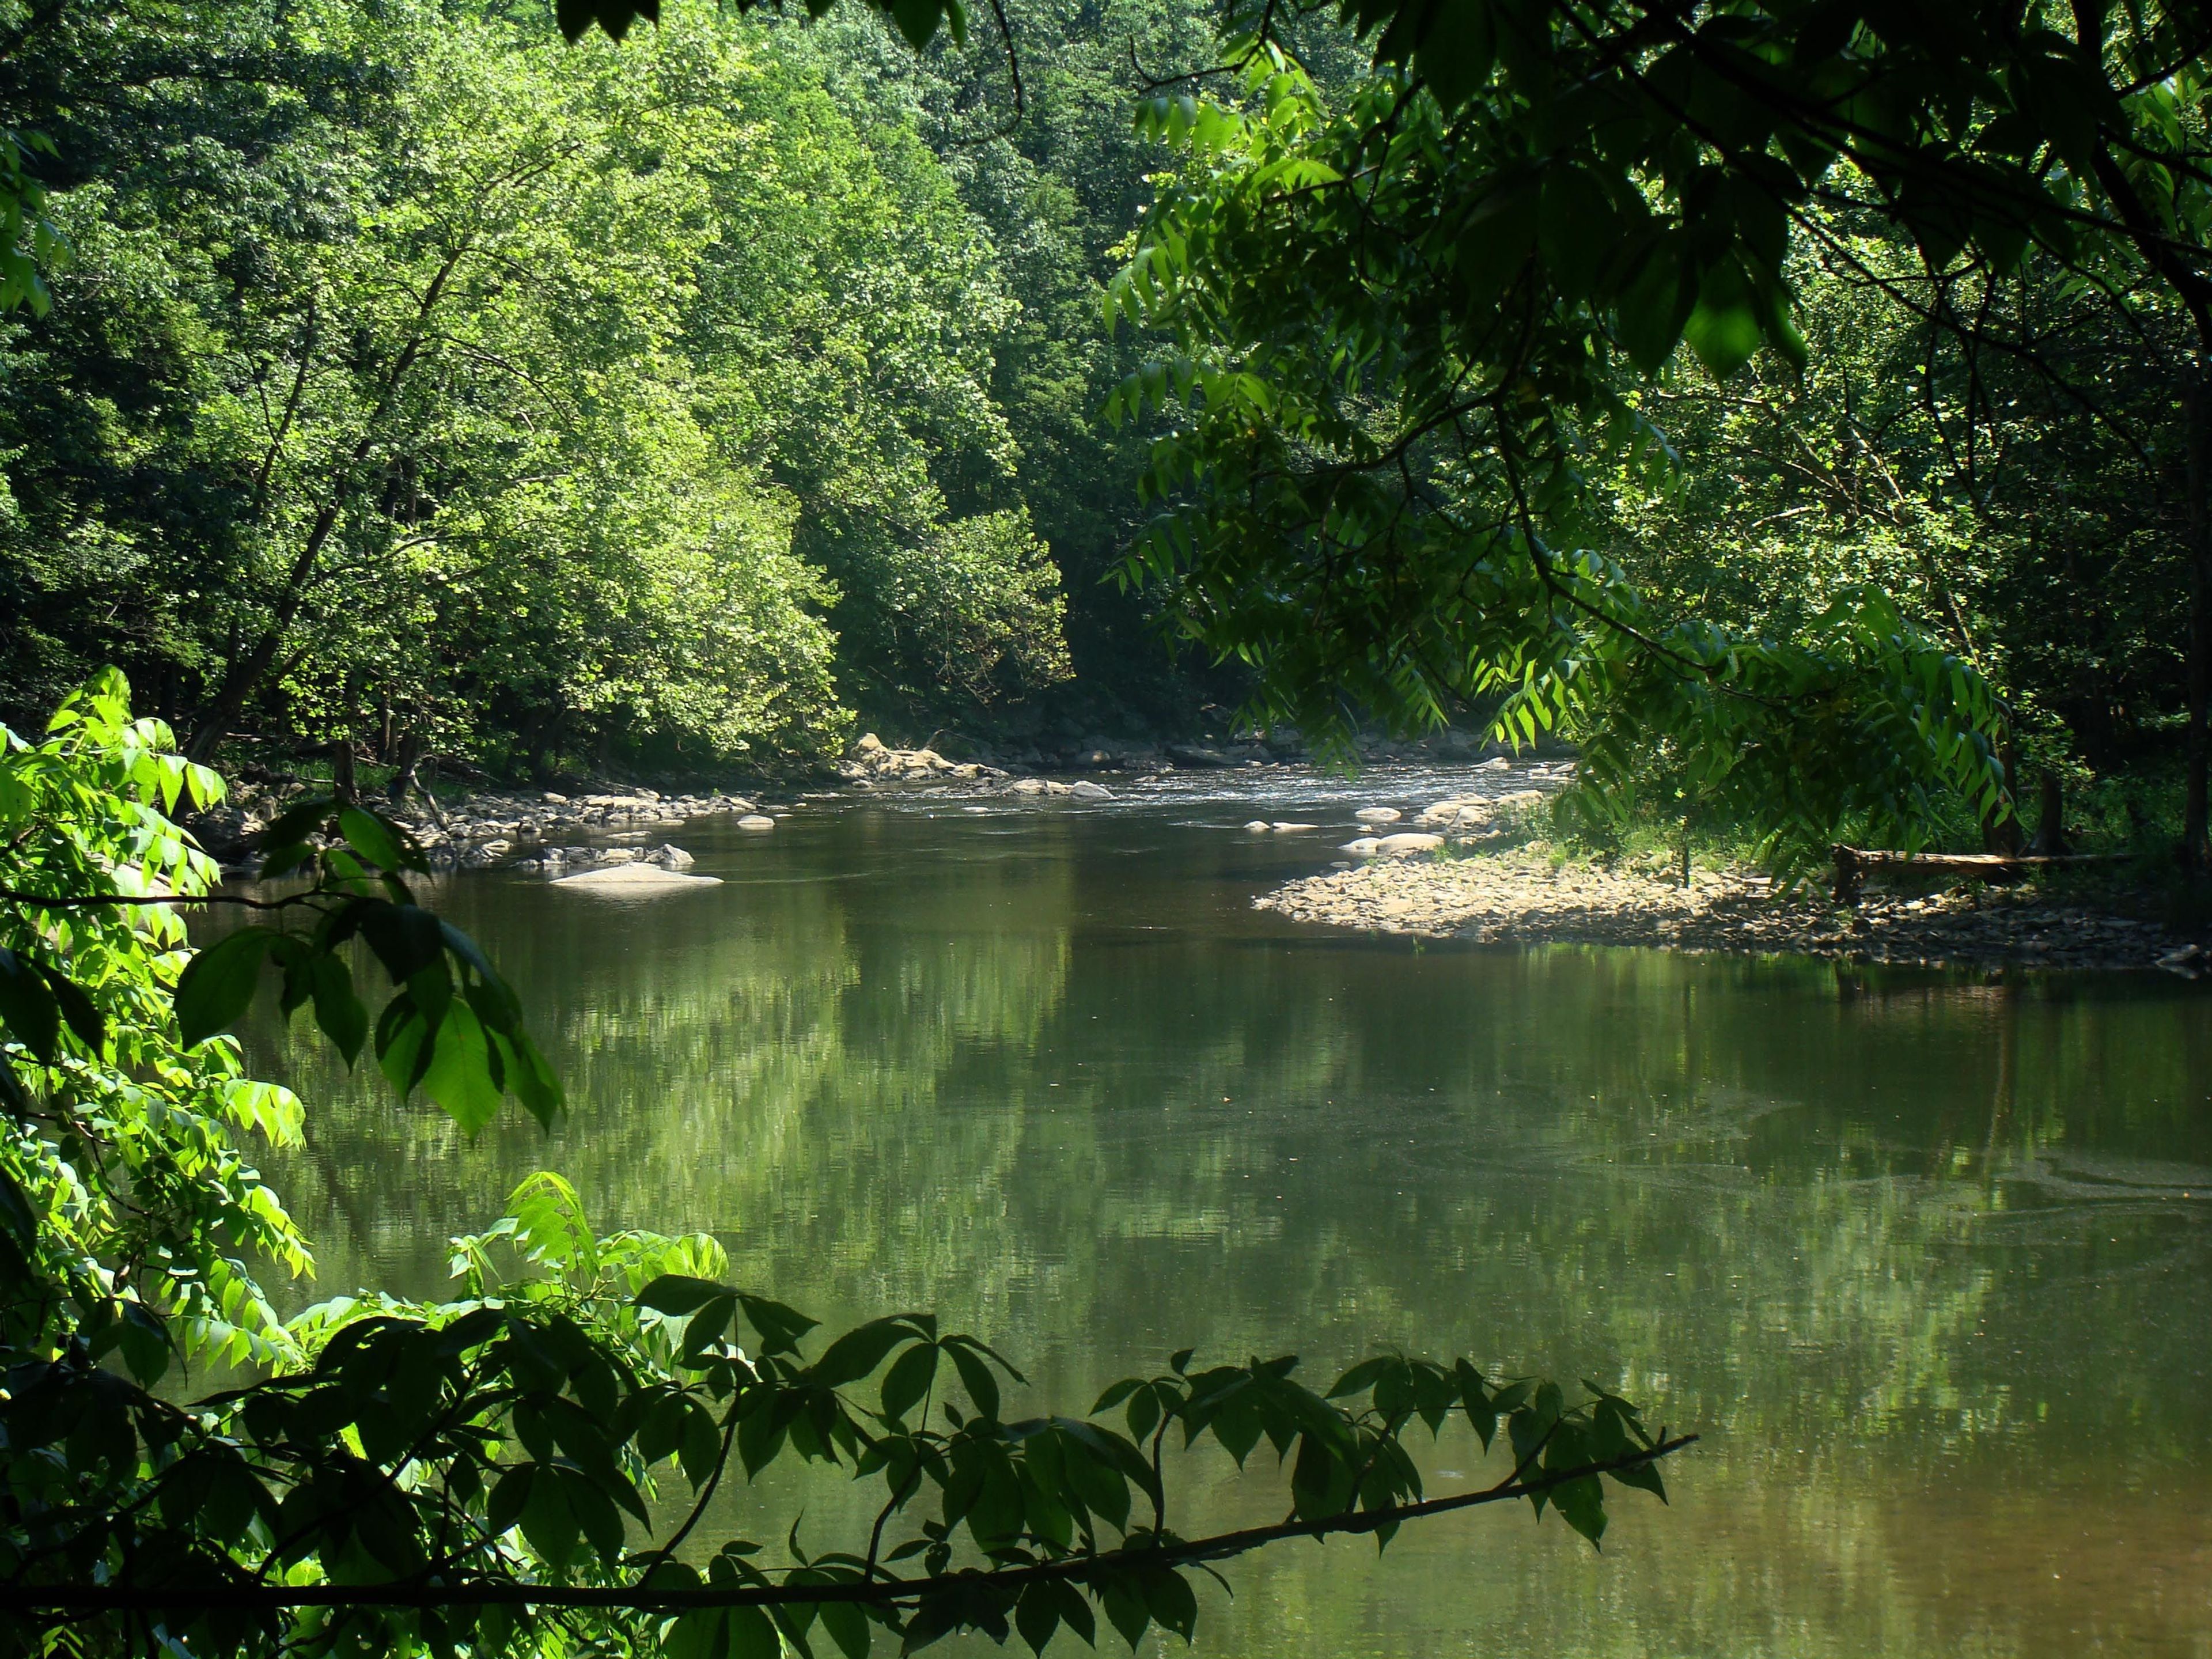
{"x":496,"y":398}
{"x":455,"y":1476}
{"x":1378,"y":479}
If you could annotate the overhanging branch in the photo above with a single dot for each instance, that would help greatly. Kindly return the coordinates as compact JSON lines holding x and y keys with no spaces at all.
{"x":80,"y":1599}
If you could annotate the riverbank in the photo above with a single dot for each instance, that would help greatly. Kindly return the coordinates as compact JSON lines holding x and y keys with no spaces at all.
{"x":1523,"y":896}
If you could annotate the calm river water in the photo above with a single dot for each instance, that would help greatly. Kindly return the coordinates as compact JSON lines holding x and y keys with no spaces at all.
{"x":1927,"y":1261}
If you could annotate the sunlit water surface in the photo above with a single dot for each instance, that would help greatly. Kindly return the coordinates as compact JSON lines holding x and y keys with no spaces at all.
{"x":1927,"y":1261}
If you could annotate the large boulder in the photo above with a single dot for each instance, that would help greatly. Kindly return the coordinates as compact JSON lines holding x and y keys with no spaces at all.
{"x":1406,"y":843}
{"x":1193,"y":755}
{"x":872,"y":759}
{"x":634,"y":881}
{"x":486,"y":854}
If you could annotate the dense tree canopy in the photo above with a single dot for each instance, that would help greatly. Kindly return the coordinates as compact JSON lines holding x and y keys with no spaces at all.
{"x":1416,"y":320}
{"x":424,"y":382}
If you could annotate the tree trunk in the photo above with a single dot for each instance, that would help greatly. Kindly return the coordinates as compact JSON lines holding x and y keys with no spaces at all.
{"x":243,"y":674}
{"x":2196,"y":414}
{"x":406,"y":756}
{"x":2050,"y":841}
{"x":2001,"y":835}
{"x":343,"y":788}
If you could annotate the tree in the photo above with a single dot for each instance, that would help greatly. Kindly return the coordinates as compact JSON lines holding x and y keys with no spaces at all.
{"x":420,"y":380}
{"x":1529,"y":204}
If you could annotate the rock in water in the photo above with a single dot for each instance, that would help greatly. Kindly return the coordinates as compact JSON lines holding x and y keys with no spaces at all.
{"x":1379,"y":815}
{"x":634,"y":881}
{"x":669,"y":856}
{"x":755,"y":823}
{"x":1090,"y":792}
{"x":1406,"y":843}
{"x":1258,"y":826}
{"x":1288,"y":828}
{"x":1363,"y":848}
{"x":1187,"y":754}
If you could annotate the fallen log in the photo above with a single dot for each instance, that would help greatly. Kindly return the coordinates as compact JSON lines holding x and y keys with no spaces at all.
{"x":1855,"y":864}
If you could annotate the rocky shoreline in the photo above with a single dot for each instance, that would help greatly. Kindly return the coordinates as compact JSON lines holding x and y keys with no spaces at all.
{"x":1522,"y":894}
{"x":607,"y":826}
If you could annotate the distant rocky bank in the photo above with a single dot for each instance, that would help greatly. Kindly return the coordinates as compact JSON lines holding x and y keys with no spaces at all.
{"x":1522,"y":894}
{"x":608,"y":825}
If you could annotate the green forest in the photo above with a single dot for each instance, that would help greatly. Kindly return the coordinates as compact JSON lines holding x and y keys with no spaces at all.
{"x":405,"y":379}
{"x":1798,"y":411}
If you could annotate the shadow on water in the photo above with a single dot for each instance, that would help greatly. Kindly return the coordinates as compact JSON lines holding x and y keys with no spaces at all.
{"x":1929,"y":1260}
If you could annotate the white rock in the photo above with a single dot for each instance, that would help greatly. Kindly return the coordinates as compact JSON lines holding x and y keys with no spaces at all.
{"x":1496,"y":763}
{"x":669,"y":856}
{"x":1290,"y":828}
{"x":1026,"y":786}
{"x":1379,"y":815}
{"x":1406,"y":843}
{"x":635,"y":880}
{"x":755,"y":823}
{"x":1090,"y":792}
{"x":1258,"y":826}
{"x":1363,"y":848}
{"x":552,"y":799}
{"x":619,"y":855}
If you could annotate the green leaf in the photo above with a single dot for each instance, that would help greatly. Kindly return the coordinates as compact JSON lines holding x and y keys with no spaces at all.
{"x":976,"y":1376}
{"x":1724,"y":329}
{"x":677,"y":1296}
{"x":859,"y":1351}
{"x":27,"y":1005}
{"x":459,"y":1076}
{"x":77,"y":1012}
{"x":406,"y":938}
{"x":917,"y":19}
{"x":1125,"y":1610}
{"x":1036,"y":1616}
{"x":1171,"y":1600}
{"x":548,"y":1521}
{"x":342,"y":1014}
{"x":1576,"y":229}
{"x":753,"y":1635}
{"x":1455,"y":56}
{"x":908,"y":1379}
{"x":378,"y":840}
{"x":216,"y":986}
{"x":848,"y":1627}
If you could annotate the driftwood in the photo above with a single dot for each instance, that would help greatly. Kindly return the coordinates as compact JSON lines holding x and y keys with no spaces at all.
{"x":1855,"y":864}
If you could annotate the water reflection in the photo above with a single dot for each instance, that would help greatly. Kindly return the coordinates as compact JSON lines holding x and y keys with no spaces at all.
{"x":1925,"y":1258}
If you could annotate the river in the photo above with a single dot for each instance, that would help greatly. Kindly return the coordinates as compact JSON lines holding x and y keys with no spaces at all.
{"x":1927,"y":1260}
